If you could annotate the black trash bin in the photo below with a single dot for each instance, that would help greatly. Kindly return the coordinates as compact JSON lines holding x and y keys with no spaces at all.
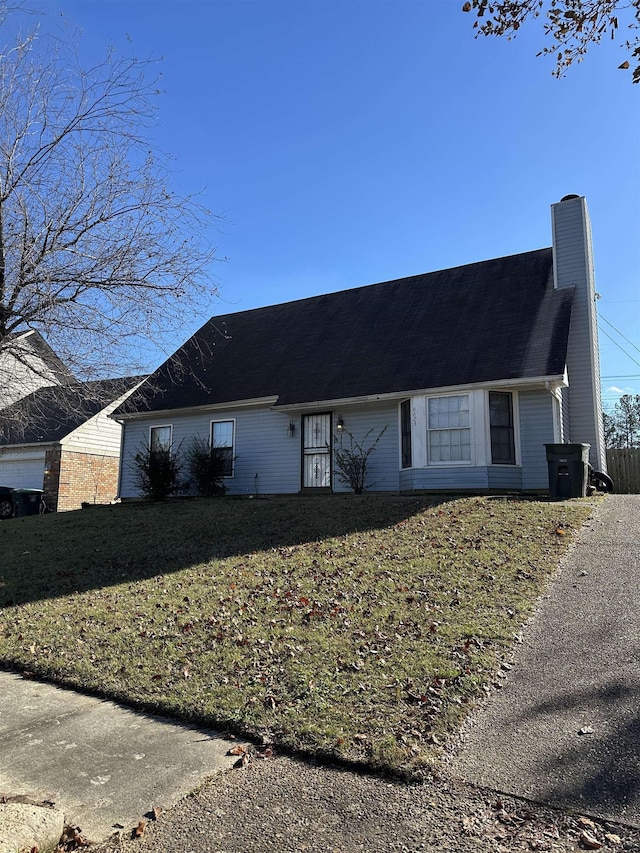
{"x":568,"y":470}
{"x":26,"y":502}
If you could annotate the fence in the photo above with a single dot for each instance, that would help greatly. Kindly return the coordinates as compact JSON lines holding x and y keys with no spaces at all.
{"x":624,"y":469}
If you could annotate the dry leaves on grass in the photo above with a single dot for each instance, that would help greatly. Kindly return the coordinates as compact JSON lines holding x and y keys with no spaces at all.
{"x":378,"y":617}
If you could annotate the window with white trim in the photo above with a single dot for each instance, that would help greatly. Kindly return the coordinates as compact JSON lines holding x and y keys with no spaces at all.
{"x":222,"y":439}
{"x":448,"y":429}
{"x":160,"y":439}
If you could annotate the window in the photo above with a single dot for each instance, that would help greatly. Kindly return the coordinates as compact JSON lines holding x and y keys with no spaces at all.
{"x":405,"y":433}
{"x":448,"y":429}
{"x":503,"y":450}
{"x":222,"y":443}
{"x":160,"y":439}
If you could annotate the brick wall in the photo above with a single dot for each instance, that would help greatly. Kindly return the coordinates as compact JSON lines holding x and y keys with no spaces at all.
{"x":85,"y":477}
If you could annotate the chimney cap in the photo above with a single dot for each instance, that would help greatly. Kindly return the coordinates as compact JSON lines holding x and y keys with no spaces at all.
{"x":569,"y":197}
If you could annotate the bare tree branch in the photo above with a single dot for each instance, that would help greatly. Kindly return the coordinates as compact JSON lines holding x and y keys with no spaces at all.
{"x":97,"y":252}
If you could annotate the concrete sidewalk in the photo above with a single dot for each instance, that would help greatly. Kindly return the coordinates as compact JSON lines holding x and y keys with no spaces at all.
{"x":102,"y":765}
{"x":565,"y":728}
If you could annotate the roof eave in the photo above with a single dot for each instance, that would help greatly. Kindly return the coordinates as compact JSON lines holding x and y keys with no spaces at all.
{"x":549,"y":382}
{"x":195,"y":410}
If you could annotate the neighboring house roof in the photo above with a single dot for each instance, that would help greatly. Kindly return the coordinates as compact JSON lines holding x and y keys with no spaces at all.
{"x":27,"y":362}
{"x":34,"y":341}
{"x":49,"y":414}
{"x":495,"y":320}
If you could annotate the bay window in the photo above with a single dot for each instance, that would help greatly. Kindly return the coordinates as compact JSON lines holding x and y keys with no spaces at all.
{"x":448,"y":429}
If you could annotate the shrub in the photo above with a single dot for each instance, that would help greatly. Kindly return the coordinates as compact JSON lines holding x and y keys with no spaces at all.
{"x":158,"y":473}
{"x":207,"y":467}
{"x":352,"y":462}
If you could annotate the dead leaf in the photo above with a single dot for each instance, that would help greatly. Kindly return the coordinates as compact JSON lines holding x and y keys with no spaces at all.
{"x":156,"y":811}
{"x":589,"y":841}
{"x":586,"y":823}
{"x":236,"y":750}
{"x":612,"y":838}
{"x":624,"y":65}
{"x":138,"y":832}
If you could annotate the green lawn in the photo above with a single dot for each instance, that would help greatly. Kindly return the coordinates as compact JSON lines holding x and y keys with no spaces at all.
{"x":359,"y":628}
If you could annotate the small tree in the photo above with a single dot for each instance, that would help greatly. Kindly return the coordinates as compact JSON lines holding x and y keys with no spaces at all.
{"x":158,"y":473}
{"x":207,"y":467}
{"x":352,"y":462}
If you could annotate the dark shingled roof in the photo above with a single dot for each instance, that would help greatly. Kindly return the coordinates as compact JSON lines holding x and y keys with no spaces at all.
{"x":51,"y":413}
{"x":494,"y":320}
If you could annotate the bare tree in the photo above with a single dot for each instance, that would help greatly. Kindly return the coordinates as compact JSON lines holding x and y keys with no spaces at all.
{"x":97,"y":252}
{"x":572,"y":25}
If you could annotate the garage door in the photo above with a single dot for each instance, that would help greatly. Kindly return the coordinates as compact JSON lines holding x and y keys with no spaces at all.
{"x":22,"y":470}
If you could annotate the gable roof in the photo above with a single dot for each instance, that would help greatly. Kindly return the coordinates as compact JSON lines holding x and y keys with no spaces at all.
{"x":495,"y":320}
{"x":33,"y":340}
{"x":51,"y":413}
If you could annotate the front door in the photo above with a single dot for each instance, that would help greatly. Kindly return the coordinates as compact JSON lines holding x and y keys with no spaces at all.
{"x":316,"y":451}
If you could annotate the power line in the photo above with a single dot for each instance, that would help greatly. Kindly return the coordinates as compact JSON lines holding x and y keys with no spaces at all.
{"x":608,"y":322}
{"x":613,"y":341}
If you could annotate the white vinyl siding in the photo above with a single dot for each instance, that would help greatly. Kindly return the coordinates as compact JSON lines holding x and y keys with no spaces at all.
{"x":23,"y":371}
{"x":99,"y":436}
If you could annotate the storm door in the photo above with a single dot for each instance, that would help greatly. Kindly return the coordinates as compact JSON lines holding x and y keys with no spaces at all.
{"x":316,"y":451}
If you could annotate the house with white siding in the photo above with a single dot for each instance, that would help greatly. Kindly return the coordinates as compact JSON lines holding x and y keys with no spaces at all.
{"x":469,"y":371}
{"x":61,"y":439}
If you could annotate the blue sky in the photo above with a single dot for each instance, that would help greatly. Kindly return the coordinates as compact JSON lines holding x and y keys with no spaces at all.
{"x":347,"y":142}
